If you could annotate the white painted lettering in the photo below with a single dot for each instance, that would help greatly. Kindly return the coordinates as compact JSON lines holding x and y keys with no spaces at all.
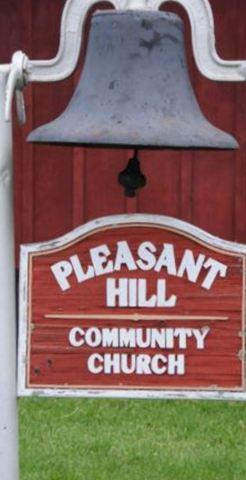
{"x":124,"y":257}
{"x":143,"y":364}
{"x":216,"y":268}
{"x":78,"y":270}
{"x":61,"y":271}
{"x":143,"y":337}
{"x":132,"y":292}
{"x":110,"y":337}
{"x":200,"y":336}
{"x":142,"y":295}
{"x":176,"y":365}
{"x":114,"y":292}
{"x":169,"y":338}
{"x":76,"y":337}
{"x":128,"y":363}
{"x":93,"y":337}
{"x":167,"y":260}
{"x":191,"y":266}
{"x":156,"y":362}
{"x":182,"y":334}
{"x":162,"y":300}
{"x":158,"y":338}
{"x":146,"y":256}
{"x":95,"y":363}
{"x":111,"y":363}
{"x":99,"y":259}
{"x":127,"y":338}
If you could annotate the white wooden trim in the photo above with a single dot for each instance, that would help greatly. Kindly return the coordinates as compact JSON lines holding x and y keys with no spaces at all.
{"x":72,"y":31}
{"x":137,"y":218}
{"x":9,"y":464}
{"x":23,"y":322}
{"x":203,"y":40}
{"x":159,"y":221}
{"x":137,"y":394}
{"x":23,"y":70}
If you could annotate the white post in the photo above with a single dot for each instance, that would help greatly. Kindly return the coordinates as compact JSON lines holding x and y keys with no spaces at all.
{"x":9,"y":465}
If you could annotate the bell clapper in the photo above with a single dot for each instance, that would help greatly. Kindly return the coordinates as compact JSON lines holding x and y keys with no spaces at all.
{"x":131,"y":178}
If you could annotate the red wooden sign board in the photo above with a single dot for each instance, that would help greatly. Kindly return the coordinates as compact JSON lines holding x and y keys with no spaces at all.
{"x":136,"y":305}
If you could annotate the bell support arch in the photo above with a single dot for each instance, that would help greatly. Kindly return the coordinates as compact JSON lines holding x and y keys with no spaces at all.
{"x":203,"y":40}
{"x":22,"y":70}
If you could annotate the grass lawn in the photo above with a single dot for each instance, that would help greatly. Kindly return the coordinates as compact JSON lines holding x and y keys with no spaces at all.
{"x":132,"y":440}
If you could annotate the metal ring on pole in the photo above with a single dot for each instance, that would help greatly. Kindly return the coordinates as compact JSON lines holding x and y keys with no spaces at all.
{"x":17,"y":80}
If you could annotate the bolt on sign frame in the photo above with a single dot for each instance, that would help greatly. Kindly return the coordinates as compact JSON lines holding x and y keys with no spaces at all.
{"x":13,"y":78}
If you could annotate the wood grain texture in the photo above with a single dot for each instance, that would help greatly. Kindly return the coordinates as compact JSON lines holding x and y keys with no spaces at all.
{"x":214,"y":172}
{"x":53,"y":362}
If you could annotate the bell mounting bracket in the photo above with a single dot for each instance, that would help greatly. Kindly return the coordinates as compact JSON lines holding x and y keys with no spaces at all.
{"x":23,"y":70}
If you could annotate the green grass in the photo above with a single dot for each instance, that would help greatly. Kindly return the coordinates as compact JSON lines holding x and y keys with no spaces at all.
{"x":132,"y":440}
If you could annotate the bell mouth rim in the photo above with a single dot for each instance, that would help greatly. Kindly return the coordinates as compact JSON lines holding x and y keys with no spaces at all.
{"x":133,"y":146}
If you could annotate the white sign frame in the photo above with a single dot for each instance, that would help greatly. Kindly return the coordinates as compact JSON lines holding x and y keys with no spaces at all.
{"x":169,"y":223}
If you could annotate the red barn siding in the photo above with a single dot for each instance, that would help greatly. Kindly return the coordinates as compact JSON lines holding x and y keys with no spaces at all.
{"x":58,"y":188}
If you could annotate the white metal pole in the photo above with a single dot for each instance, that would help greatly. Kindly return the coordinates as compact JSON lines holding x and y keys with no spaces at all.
{"x":9,"y":464}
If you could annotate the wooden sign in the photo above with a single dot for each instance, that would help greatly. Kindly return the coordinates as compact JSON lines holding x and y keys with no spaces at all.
{"x":133,"y":306}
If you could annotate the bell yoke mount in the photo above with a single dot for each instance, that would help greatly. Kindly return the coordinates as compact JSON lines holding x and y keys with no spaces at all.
{"x":134,"y":90}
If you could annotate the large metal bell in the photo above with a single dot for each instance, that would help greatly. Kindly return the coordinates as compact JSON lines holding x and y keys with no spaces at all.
{"x":134,"y":90}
